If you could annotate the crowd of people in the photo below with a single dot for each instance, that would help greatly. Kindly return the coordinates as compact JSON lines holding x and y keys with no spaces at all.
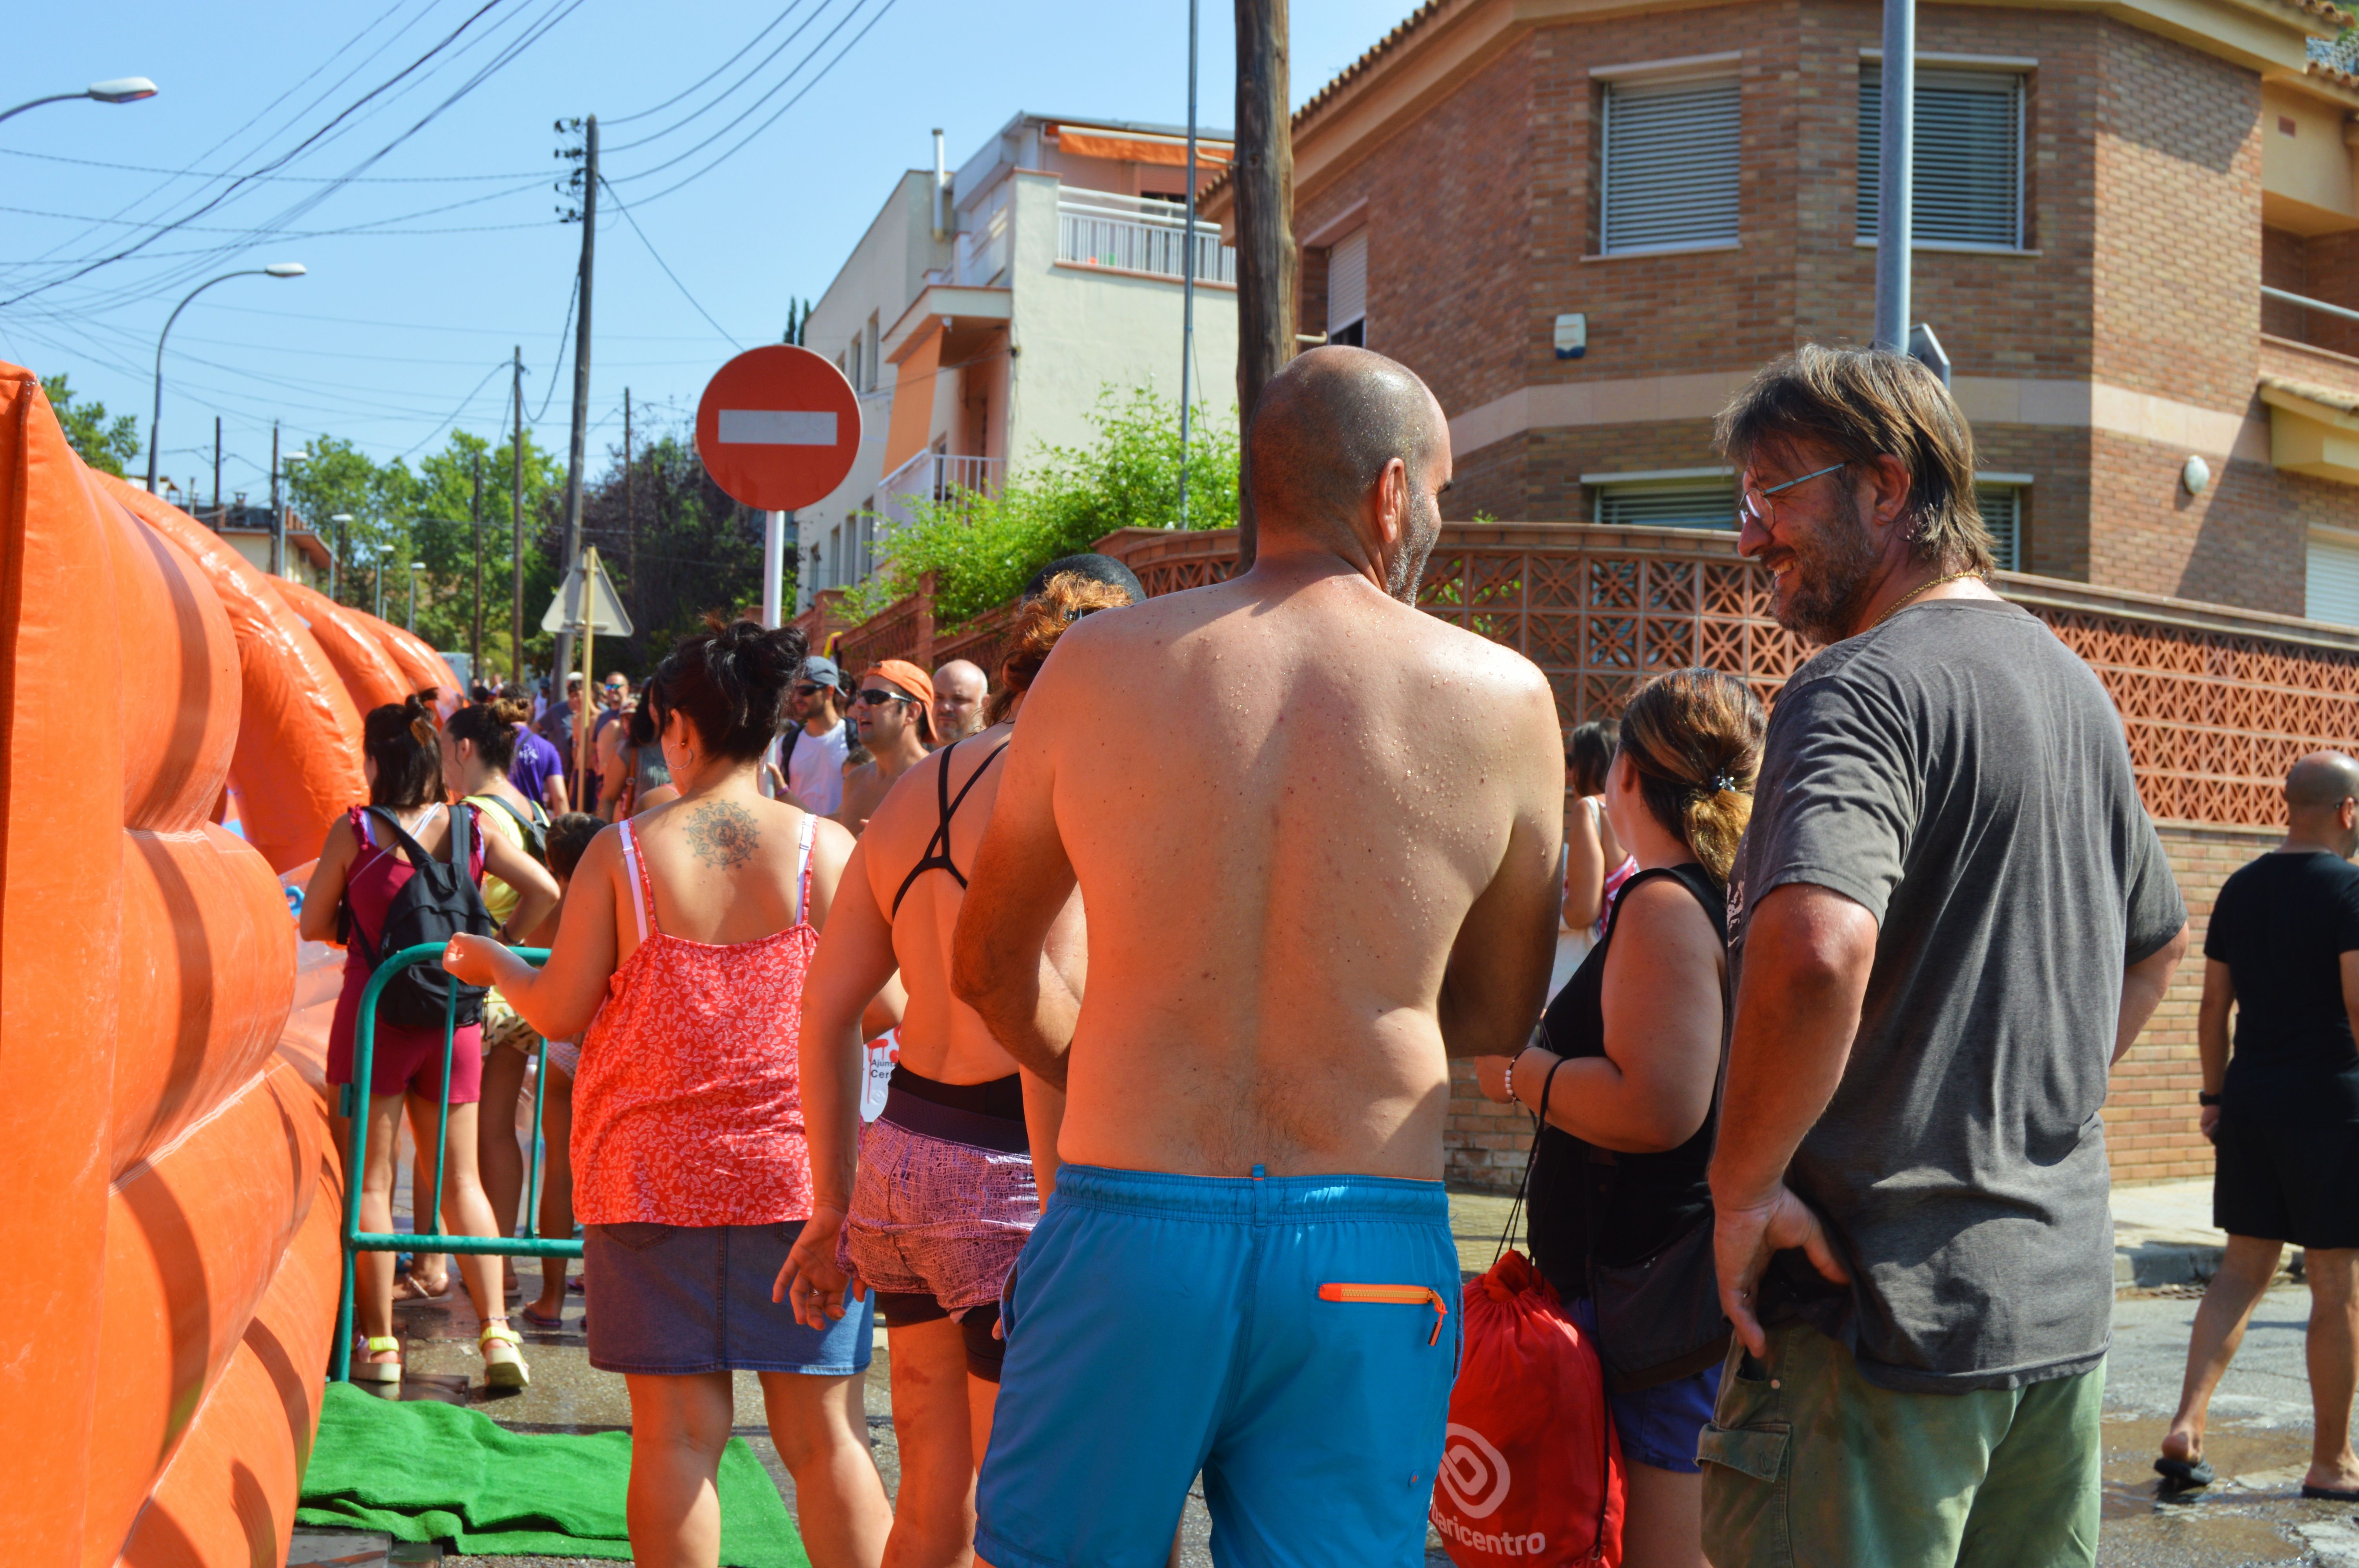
{"x":1167,"y":941}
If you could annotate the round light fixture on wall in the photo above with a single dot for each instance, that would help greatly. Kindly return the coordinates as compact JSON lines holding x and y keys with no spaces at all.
{"x":2195,"y":475}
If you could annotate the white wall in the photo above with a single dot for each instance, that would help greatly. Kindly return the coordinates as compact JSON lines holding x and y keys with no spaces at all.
{"x":886,"y":271}
{"x":1078,"y":330}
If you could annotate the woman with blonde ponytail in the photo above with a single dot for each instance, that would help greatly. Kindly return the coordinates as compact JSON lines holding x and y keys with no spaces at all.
{"x":1623,"y":1073}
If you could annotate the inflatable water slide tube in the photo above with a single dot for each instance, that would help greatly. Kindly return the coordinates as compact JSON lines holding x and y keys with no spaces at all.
{"x":171,"y":1191}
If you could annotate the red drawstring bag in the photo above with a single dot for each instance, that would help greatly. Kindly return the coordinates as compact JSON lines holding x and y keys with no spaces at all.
{"x":1531,"y":1471}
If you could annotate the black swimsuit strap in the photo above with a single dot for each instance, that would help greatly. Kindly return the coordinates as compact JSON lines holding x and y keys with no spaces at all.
{"x":937,"y":856}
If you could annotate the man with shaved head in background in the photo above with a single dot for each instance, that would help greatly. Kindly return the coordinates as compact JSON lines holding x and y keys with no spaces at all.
{"x":959,"y":690}
{"x":2283,"y":1110}
{"x":1317,"y":833}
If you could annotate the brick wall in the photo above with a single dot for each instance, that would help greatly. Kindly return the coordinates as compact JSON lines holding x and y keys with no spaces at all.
{"x":2178,"y":207}
{"x":2151,"y":1130}
{"x":2150,"y":1113}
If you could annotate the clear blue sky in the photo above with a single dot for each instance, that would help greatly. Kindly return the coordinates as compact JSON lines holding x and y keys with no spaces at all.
{"x":396,"y":323}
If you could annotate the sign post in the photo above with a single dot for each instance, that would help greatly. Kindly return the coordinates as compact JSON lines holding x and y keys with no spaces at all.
{"x":586,"y":602}
{"x":777,"y":429}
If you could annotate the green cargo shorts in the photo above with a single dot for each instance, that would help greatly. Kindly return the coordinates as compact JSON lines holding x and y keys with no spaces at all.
{"x":1806,"y":1462}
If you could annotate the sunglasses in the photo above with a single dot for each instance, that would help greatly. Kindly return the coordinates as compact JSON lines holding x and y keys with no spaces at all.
{"x":875,"y":699}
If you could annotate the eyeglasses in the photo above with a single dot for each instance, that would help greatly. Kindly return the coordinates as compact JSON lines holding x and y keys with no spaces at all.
{"x":1753,"y":506}
{"x":875,"y":699}
{"x":808,"y":689}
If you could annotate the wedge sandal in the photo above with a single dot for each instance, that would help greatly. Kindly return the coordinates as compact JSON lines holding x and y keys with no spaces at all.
{"x":504,"y":1365}
{"x":385,"y":1374}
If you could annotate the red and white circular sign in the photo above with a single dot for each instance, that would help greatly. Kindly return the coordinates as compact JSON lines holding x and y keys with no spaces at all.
{"x":778,"y":427}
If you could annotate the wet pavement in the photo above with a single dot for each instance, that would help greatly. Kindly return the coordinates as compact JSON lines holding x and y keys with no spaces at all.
{"x":2259,"y":1439}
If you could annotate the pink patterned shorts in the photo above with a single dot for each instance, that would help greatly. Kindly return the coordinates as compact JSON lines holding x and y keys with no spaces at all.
{"x":944,"y":1203}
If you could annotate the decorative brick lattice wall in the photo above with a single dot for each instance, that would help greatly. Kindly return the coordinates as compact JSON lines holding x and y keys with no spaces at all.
{"x":2217,"y":704}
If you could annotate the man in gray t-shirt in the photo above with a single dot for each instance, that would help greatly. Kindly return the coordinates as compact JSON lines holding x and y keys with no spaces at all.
{"x":1947,"y":918}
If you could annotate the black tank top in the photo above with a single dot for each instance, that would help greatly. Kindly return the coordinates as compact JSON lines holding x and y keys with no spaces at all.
{"x":1639,"y":1201}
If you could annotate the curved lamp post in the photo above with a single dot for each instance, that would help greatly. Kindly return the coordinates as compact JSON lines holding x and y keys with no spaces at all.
{"x":122,"y":89}
{"x":275,"y":269}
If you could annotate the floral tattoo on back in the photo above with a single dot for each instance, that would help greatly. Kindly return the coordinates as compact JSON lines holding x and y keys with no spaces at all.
{"x":723,"y":835}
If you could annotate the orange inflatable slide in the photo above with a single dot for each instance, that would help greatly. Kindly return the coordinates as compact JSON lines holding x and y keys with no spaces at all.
{"x":173,"y":1267}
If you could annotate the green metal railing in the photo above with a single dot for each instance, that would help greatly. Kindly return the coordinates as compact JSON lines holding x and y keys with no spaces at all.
{"x":428,"y":1206}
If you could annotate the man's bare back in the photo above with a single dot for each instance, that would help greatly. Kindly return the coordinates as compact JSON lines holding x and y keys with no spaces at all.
{"x":1316,"y":831}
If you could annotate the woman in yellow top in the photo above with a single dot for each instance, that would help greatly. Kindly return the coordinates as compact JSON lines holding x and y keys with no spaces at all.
{"x":478,"y":745}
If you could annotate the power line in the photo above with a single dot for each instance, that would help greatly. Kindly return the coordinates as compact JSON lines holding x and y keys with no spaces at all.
{"x":724,"y":65}
{"x":723,"y":96}
{"x":765,"y":125}
{"x":461,"y":409}
{"x":532,"y":174}
{"x":564,"y":335}
{"x":279,"y":162}
{"x":667,"y":272}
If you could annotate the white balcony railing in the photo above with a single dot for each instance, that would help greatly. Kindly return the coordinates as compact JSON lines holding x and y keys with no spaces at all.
{"x":1098,"y":228}
{"x":936,"y":477}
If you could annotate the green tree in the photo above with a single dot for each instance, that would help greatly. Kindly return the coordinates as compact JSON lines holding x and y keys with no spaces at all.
{"x":440,"y":534}
{"x":982,"y":549}
{"x":675,"y":545}
{"x":103,"y":443}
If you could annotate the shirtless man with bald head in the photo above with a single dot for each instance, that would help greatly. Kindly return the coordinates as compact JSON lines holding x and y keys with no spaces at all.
{"x":1317,"y":833}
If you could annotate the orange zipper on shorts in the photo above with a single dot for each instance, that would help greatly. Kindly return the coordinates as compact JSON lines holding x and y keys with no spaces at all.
{"x":1393,"y":1295}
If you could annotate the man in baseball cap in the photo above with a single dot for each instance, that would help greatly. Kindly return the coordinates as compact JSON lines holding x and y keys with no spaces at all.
{"x":813,"y":751}
{"x":893,"y":706}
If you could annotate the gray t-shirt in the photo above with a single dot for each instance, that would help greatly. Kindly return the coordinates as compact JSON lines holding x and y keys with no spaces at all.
{"x":1961,"y":773}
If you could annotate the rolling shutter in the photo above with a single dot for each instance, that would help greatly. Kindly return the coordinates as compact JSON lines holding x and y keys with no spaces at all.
{"x":1347,"y":281}
{"x":2002,"y":509}
{"x":2333,"y":586}
{"x":1690,"y":505}
{"x":1969,"y":173}
{"x":1671,"y":165}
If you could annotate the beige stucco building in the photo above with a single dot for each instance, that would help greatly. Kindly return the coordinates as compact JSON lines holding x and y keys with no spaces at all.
{"x":983,"y":313}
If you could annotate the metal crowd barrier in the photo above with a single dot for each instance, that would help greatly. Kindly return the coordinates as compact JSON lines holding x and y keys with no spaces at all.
{"x":356,"y":1109}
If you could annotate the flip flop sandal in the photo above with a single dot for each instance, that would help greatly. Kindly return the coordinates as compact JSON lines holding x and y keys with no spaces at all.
{"x":503,"y":1365}
{"x":2184,"y":1476}
{"x":408,"y":1288}
{"x":387,"y":1374}
{"x":2331,"y":1493}
{"x":534,"y":1318}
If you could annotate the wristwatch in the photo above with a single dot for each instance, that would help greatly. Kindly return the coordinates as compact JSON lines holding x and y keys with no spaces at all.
{"x":2205,"y":1098}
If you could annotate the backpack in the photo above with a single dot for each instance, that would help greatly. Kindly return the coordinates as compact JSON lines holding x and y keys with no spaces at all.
{"x":440,"y":900}
{"x":1531,"y":1467}
{"x":535,"y":827}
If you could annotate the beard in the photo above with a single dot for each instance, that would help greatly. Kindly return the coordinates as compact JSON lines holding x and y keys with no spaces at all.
{"x":1406,"y":573}
{"x":1831,"y":576}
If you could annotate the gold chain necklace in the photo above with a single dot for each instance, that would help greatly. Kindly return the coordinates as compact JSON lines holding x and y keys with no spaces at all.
{"x":1902,"y":602}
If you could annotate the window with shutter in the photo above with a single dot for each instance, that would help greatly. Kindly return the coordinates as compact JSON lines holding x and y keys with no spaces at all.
{"x":2002,"y":509}
{"x":1687,"y":503}
{"x":1347,"y":289}
{"x":2332,"y":591}
{"x":1969,"y":165}
{"x":1669,"y":170}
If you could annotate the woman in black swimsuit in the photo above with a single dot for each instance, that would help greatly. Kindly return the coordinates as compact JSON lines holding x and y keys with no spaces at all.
{"x":1626,"y":1062}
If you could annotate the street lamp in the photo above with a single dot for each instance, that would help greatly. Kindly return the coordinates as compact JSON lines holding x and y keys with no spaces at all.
{"x":275,"y":269}
{"x":121,"y":90}
{"x":415,"y":568}
{"x":337,"y":560}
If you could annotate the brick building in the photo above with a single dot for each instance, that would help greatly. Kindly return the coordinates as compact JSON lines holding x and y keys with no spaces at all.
{"x":2104,"y":193}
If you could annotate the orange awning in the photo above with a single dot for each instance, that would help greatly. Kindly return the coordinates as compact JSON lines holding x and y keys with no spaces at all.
{"x":1172,"y":150}
{"x":913,"y":397}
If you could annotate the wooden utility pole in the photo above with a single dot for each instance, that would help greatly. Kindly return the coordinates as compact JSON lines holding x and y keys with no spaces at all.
{"x":219,"y":516}
{"x":630,"y":512}
{"x":1265,"y":199}
{"x":476,"y":514}
{"x":277,"y":513}
{"x":516,"y":523}
{"x":578,"y":454}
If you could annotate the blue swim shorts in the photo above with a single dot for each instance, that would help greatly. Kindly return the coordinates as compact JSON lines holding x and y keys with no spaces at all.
{"x":1293,"y":1338}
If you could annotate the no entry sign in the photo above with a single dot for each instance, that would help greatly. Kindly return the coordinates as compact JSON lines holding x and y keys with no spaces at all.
{"x":778,"y":427}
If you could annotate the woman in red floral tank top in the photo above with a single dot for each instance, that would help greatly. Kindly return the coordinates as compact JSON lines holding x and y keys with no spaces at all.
{"x":681,"y":953}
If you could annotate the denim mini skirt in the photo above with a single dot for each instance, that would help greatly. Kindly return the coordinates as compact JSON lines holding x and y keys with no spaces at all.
{"x":674,"y":1300}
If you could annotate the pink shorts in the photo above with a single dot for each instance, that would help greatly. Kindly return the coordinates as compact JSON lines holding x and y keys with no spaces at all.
{"x":944,"y":1203}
